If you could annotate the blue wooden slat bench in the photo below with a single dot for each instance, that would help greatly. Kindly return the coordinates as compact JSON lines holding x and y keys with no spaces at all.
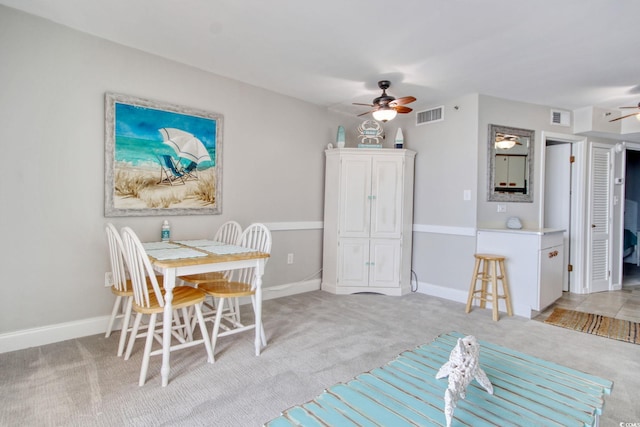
{"x":528,"y":391}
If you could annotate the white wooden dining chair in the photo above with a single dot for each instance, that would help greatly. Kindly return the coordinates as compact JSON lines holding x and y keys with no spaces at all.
{"x":242,"y":284}
{"x":121,"y":287}
{"x":151,"y":302}
{"x":229,"y":233}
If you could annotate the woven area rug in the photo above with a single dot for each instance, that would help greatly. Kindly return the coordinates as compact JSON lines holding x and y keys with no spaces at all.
{"x":609,"y":327}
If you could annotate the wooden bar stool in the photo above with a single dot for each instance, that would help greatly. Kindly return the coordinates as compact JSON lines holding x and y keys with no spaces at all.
{"x":491,"y":271}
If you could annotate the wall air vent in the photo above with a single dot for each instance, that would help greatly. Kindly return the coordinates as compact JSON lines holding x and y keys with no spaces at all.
{"x":430,"y":116}
{"x":559,"y":117}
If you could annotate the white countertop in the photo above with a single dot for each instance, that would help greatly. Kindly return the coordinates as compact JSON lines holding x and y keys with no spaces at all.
{"x":538,"y":231}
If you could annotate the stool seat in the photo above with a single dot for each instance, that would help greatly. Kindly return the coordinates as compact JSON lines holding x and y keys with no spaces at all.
{"x":489,"y":269}
{"x":490,"y":257}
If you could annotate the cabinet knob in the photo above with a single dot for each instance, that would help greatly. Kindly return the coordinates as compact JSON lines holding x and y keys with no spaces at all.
{"x":553,"y":254}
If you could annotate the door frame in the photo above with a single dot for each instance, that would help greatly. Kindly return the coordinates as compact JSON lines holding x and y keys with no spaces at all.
{"x":622,"y":148}
{"x":577,"y":235}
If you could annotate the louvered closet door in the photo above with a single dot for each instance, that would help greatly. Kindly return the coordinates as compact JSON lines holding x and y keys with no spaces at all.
{"x":600,"y":218}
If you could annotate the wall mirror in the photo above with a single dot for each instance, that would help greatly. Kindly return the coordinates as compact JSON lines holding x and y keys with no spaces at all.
{"x":510,"y":165}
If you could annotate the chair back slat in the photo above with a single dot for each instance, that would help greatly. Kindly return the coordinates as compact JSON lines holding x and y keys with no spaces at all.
{"x":256,"y":236}
{"x":116,"y":258}
{"x":229,"y":232}
{"x":140,"y":269}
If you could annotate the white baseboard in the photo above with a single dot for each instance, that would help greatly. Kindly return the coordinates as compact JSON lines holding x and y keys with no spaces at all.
{"x":461,"y":296}
{"x":456,"y":295}
{"x":43,"y":335}
{"x":49,"y":334}
{"x":290,"y":289}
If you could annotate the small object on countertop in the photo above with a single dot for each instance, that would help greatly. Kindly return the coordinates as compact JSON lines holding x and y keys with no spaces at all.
{"x":166,"y":231}
{"x":514,"y":223}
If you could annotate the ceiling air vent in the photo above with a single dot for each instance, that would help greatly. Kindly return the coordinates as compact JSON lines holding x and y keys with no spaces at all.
{"x":559,"y":117}
{"x":430,"y":116}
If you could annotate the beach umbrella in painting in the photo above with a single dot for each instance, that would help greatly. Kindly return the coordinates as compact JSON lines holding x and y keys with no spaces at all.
{"x":185,"y":145}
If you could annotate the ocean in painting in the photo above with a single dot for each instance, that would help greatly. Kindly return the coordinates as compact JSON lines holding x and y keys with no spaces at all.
{"x":138,"y":140}
{"x":144,"y":152}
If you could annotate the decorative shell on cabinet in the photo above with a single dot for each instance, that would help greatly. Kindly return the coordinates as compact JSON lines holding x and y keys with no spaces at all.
{"x":514,"y":223}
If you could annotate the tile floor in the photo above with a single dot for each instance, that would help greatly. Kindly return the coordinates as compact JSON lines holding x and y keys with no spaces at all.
{"x":622,"y":304}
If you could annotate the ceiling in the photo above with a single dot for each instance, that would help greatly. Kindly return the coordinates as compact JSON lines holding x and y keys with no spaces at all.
{"x":565,"y":54}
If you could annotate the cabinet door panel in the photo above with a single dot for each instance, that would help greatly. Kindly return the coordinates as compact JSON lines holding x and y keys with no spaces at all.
{"x":501,"y":170}
{"x":355,"y":197}
{"x":353,"y":258}
{"x":551,"y":276}
{"x":386,"y":208}
{"x":385,"y":263}
{"x":517,"y":168}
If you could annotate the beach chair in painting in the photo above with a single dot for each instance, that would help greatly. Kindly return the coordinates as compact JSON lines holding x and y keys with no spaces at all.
{"x":190,"y":172}
{"x":169,"y":173}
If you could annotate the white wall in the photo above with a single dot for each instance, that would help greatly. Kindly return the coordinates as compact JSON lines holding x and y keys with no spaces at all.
{"x":52,"y":221}
{"x":444,"y":223}
{"x":518,"y":115}
{"x":52,"y":108}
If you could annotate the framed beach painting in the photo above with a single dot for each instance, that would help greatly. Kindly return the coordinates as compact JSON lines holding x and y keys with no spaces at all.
{"x":161,"y":159}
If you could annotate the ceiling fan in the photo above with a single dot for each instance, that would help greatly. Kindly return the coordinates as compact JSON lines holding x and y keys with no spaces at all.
{"x":637,"y":107}
{"x":506,"y":141}
{"x":385,"y":107}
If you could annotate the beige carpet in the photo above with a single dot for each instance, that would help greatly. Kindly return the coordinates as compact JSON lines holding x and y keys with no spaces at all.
{"x":316,"y":339}
{"x":609,"y":327}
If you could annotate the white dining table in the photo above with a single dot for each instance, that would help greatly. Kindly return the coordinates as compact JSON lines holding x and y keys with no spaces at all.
{"x":180,"y":258}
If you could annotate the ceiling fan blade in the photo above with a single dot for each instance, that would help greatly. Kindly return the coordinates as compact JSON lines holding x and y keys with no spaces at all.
{"x":364,"y":114}
{"x":402,"y":109}
{"x":623,"y":117}
{"x":402,"y":101}
{"x":358,"y":103}
{"x":630,"y":107}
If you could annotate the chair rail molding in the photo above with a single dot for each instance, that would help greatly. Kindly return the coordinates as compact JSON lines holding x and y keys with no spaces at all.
{"x":294,"y":225}
{"x":444,"y":229}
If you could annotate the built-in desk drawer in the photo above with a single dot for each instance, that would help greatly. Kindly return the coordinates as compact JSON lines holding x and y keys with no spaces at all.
{"x":551,"y":239}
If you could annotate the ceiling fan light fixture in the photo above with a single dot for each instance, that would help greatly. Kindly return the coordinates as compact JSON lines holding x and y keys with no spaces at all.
{"x":384,"y":114}
{"x":505,"y":144}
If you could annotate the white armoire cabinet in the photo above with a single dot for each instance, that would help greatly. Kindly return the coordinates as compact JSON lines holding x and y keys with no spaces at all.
{"x":368,"y":221}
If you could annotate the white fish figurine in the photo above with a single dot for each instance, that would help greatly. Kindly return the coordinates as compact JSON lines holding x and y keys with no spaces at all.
{"x":463,"y":366}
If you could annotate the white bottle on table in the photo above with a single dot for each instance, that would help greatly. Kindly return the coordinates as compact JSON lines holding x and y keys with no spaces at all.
{"x":166,"y":231}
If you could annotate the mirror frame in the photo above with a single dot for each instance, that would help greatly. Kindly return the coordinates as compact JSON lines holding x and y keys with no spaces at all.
{"x":492,"y":195}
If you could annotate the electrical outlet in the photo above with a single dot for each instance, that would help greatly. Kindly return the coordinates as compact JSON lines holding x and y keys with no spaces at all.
{"x":108,"y":279}
{"x":502,"y":208}
{"x":289,"y":258}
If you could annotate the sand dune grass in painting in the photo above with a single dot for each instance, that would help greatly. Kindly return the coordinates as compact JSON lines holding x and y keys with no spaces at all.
{"x":140,"y":188}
